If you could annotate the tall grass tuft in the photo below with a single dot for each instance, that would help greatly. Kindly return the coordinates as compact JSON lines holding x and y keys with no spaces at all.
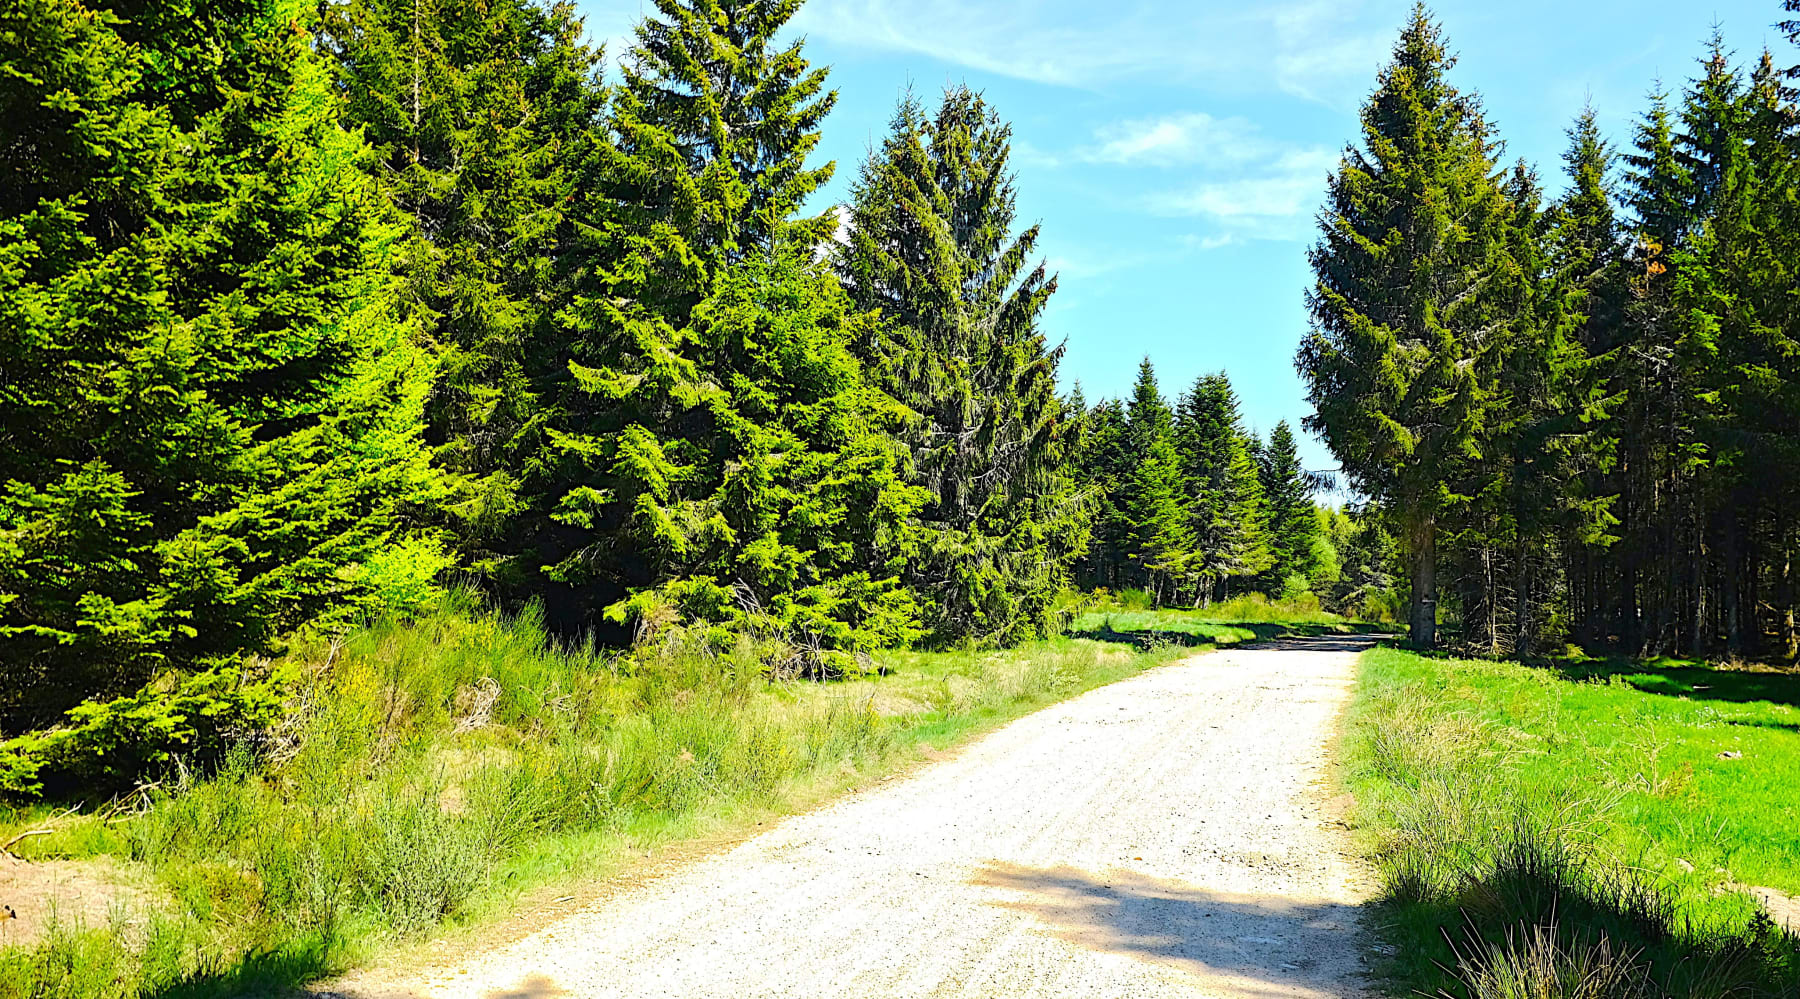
{"x":1540,"y":963}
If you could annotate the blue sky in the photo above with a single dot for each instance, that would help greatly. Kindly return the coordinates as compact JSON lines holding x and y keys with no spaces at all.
{"x":1175,"y":152}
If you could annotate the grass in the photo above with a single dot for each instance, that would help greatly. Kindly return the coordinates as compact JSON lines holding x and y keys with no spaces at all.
{"x":1244,"y":619}
{"x":1584,"y":830}
{"x":435,"y":775}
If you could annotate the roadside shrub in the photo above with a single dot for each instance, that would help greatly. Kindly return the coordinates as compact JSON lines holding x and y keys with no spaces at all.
{"x":108,"y":746}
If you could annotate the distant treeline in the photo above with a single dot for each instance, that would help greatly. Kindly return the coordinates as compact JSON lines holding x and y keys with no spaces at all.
{"x":1194,"y":507}
{"x":1582,"y":414}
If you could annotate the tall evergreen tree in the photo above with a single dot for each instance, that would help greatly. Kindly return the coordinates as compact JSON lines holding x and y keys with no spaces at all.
{"x":1293,"y":520}
{"x":1158,"y":539}
{"x":1410,"y":264}
{"x":482,"y":117}
{"x":710,"y":453}
{"x":1102,"y":463}
{"x":211,"y":419}
{"x":930,"y":241}
{"x":1224,"y":491}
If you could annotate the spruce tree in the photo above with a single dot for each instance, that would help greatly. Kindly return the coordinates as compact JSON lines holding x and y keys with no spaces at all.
{"x":212,"y":416}
{"x":1227,"y":511}
{"x":482,"y":117}
{"x":1158,"y":539}
{"x":1102,"y":463}
{"x":711,"y":452}
{"x":1411,"y":255}
{"x":1293,"y":530}
{"x":930,"y":241}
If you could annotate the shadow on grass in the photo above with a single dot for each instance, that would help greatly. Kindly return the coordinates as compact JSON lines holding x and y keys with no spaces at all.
{"x":1691,"y":682}
{"x":1493,"y":917}
{"x":282,"y":971}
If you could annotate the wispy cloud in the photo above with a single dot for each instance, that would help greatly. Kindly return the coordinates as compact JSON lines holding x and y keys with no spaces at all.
{"x":1308,"y":48}
{"x":1272,"y":199}
{"x":1193,"y":137}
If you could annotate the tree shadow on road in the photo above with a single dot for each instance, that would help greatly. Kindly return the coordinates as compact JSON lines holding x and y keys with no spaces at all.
{"x":1301,"y":637}
{"x":1242,"y":945}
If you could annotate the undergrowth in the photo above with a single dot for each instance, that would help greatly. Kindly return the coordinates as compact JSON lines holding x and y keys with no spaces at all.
{"x":430,"y":774}
{"x":1543,"y":838}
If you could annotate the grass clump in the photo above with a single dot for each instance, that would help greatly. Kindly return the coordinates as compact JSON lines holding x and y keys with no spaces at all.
{"x":1542,"y":836}
{"x":432,"y":773}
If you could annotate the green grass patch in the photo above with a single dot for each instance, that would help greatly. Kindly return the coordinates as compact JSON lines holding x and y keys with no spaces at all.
{"x":1578,"y":831}
{"x":1245,"y":619}
{"x":434,"y":775}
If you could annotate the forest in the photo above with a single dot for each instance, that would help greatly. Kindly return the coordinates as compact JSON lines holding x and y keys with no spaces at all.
{"x":439,"y":457}
{"x":311,"y":314}
{"x":1578,"y":414}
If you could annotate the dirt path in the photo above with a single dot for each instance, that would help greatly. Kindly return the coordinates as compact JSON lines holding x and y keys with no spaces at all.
{"x":1164,"y":836}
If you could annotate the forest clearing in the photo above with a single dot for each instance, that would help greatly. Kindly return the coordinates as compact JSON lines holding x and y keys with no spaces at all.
{"x":489,"y":508}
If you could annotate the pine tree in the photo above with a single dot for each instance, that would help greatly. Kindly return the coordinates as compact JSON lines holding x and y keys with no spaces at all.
{"x":212,"y":417}
{"x":1585,"y":260}
{"x":930,"y":242}
{"x":1103,"y":462}
{"x":1293,"y":520}
{"x":716,"y":123}
{"x":482,"y":117}
{"x":1158,"y":540}
{"x":711,"y":453}
{"x":1224,"y":493}
{"x":795,"y":518}
{"x":1410,"y":264}
{"x":1792,"y":28}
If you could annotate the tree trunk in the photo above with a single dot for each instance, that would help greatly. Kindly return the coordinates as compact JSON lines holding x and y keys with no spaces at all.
{"x":1790,"y":633}
{"x":1522,"y":632}
{"x":1423,"y":544}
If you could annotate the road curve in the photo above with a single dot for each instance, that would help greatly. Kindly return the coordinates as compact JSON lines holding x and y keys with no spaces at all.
{"x":1163,"y":836}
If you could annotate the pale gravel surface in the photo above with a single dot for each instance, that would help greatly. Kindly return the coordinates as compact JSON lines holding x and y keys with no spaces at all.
{"x":1163,"y":836}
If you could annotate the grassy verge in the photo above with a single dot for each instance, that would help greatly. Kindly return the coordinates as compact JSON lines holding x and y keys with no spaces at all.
{"x":1246,"y":619}
{"x":435,"y":773}
{"x":1586,"y":831}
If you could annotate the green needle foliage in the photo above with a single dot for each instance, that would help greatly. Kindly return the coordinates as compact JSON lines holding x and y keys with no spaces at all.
{"x":483,"y":119}
{"x":711,"y":452}
{"x":1227,"y":506}
{"x":211,"y":424}
{"x":930,"y":242}
{"x":1158,"y":542}
{"x":1293,"y":531}
{"x":1408,"y":313}
{"x":1592,"y":401}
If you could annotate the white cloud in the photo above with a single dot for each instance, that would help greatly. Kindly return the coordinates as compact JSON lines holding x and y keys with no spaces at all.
{"x":1216,"y":241}
{"x":1193,"y":137}
{"x":1275,"y":199}
{"x":1308,"y":48}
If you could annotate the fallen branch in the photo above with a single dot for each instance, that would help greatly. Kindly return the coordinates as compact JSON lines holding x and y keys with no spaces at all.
{"x":6,"y":847}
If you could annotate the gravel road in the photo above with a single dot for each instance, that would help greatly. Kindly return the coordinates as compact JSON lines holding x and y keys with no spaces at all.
{"x":1164,"y":836}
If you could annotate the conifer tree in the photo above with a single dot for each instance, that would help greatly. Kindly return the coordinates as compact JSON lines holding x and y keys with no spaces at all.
{"x":211,"y":417}
{"x":715,"y":124}
{"x":483,"y":118}
{"x":1224,"y":492}
{"x":711,"y":453}
{"x":930,"y":241}
{"x":1158,"y":541}
{"x":1293,"y":520}
{"x":1412,"y":250}
{"x":1102,"y":463}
